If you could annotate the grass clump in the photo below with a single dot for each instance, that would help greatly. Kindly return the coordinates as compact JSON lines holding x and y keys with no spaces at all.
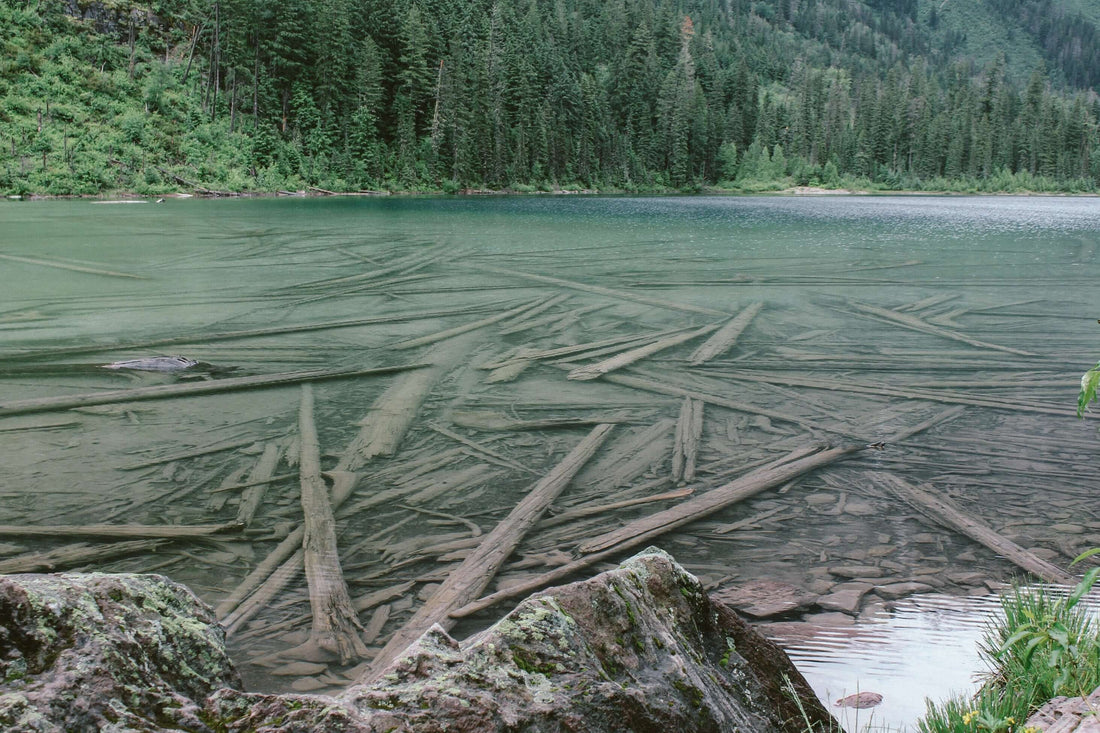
{"x":1044,"y":645}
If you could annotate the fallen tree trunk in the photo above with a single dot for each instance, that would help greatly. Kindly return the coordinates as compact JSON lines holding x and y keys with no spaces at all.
{"x":466,"y":327}
{"x":393,"y":412}
{"x":116,"y":531}
{"x":258,"y":479}
{"x":280,"y":566}
{"x":74,"y":268}
{"x":622,"y":294}
{"x":336,"y":627}
{"x":945,"y":513}
{"x":594,"y":371}
{"x":645,"y":529}
{"x":917,"y":324}
{"x":726,"y":336}
{"x":689,"y":429}
{"x":206,"y":338}
{"x":477,"y":570}
{"x":70,"y":555}
{"x":190,"y":389}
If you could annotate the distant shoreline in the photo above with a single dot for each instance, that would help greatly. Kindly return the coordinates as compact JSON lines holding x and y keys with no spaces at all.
{"x":131,"y":197}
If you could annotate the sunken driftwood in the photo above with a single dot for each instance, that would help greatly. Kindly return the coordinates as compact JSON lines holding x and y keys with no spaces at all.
{"x":477,"y":570}
{"x":207,"y":338}
{"x":599,"y":290}
{"x":335,"y":626}
{"x":431,"y":338}
{"x":393,"y":412}
{"x":645,"y":529}
{"x":190,"y":389}
{"x":944,"y":512}
{"x":74,"y":268}
{"x":121,"y":531}
{"x":594,"y":371}
{"x":903,"y":319}
{"x":689,"y":430}
{"x":726,"y":337}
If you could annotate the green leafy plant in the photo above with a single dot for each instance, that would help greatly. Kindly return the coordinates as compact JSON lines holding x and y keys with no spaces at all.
{"x":1090,"y":380}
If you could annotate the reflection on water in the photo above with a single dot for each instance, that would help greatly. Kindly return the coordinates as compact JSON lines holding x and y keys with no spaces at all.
{"x":924,"y":647}
{"x":871,"y":315}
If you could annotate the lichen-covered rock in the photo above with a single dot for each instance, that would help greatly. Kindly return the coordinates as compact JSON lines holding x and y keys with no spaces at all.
{"x":84,"y":652}
{"x":639,"y":648}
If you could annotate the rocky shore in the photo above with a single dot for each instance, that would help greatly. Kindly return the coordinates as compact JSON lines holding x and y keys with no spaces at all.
{"x":640,"y":648}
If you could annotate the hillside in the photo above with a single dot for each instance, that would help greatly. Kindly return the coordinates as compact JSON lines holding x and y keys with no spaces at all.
{"x":240,"y":95}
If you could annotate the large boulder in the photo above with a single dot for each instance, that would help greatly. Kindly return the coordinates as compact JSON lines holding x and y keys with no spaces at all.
{"x":85,"y":652}
{"x":639,"y":648}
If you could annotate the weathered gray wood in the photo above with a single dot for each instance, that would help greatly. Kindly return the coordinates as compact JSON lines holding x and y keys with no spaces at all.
{"x":917,"y":324}
{"x":944,"y":512}
{"x":392,"y":414}
{"x":594,"y":371}
{"x":70,"y":555}
{"x":117,"y":531}
{"x":685,"y":449}
{"x":431,"y":338}
{"x":725,"y":338}
{"x":599,"y":290}
{"x":190,"y":389}
{"x":207,"y":338}
{"x":74,"y":268}
{"x":335,"y":627}
{"x":647,"y":528}
{"x":258,"y":479}
{"x":475,"y":572}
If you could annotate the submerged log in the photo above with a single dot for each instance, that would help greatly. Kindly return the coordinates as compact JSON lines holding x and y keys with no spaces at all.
{"x":726,"y":336}
{"x":645,"y":529}
{"x":599,"y":290}
{"x":335,"y":625}
{"x":118,"y":531}
{"x":392,"y":414}
{"x":944,"y":512}
{"x":917,"y":324}
{"x":594,"y":371}
{"x":477,"y":570}
{"x":190,"y":389}
{"x":431,"y":338}
{"x":74,"y":268}
{"x":689,"y":430}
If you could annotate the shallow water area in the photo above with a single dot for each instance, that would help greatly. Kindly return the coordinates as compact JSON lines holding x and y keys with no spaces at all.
{"x":923,"y":647}
{"x":961,"y":324}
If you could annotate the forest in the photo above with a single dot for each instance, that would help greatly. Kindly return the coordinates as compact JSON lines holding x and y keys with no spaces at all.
{"x":220,"y":96}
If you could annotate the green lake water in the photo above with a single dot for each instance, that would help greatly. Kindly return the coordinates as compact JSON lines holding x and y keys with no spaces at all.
{"x":994,"y":315}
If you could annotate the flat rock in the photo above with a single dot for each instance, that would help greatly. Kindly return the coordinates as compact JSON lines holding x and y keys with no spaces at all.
{"x":765,"y":598}
{"x":856,"y":571}
{"x":892,"y":591}
{"x":845,"y":598}
{"x":1067,"y":715}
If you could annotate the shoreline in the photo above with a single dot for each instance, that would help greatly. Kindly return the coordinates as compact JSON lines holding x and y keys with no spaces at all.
{"x":133,"y":197}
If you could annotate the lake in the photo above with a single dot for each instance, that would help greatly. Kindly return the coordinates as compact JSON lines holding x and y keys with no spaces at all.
{"x":960,"y":324}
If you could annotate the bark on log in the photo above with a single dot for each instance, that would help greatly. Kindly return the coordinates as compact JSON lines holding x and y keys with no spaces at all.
{"x":944,"y":512}
{"x":622,"y":294}
{"x":207,"y":338}
{"x":594,"y":371}
{"x":190,"y":389}
{"x":647,"y":528}
{"x":477,"y":570}
{"x":336,"y":627}
{"x":917,"y":324}
{"x":393,"y":412}
{"x":726,"y":336}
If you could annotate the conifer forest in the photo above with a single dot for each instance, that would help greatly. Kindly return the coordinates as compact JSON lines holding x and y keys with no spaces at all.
{"x":539,"y":95}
